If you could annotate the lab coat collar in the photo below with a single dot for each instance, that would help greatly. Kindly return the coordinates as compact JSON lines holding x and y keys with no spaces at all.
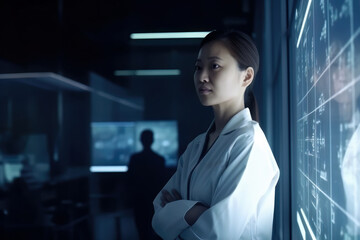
{"x":237,"y":121}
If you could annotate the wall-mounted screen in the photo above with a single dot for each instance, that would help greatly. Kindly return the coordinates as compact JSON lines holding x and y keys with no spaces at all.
{"x":325,"y":116}
{"x":113,"y":143}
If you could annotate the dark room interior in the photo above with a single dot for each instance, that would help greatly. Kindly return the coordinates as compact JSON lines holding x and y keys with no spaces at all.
{"x":78,"y":88}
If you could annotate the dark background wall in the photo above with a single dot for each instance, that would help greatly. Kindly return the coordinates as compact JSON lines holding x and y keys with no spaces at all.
{"x":76,"y":39}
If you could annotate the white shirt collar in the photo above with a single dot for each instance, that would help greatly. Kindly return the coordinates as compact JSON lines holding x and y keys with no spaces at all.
{"x":238,"y":120}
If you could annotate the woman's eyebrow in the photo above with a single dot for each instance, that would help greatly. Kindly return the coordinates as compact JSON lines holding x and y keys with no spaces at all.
{"x":210,"y":58}
{"x":215,"y":57}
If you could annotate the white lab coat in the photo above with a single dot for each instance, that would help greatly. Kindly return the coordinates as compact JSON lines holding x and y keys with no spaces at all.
{"x":236,"y":178}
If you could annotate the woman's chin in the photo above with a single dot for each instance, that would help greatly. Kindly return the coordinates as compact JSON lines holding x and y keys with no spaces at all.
{"x":206,"y":103}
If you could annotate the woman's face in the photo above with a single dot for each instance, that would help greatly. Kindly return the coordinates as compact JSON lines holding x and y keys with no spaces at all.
{"x":217,"y":77}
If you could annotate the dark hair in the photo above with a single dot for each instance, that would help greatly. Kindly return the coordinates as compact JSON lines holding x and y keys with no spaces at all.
{"x":243,"y":49}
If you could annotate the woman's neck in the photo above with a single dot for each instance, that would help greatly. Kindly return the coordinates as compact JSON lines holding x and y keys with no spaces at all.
{"x":224,"y":112}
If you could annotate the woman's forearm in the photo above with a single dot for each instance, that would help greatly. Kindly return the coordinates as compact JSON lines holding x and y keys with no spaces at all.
{"x":194,"y":213}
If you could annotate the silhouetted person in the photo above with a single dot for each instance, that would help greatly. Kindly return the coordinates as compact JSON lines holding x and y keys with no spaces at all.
{"x":146,"y":172}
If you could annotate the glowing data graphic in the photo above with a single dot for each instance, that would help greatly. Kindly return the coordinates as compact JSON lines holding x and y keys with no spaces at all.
{"x":325,"y":108}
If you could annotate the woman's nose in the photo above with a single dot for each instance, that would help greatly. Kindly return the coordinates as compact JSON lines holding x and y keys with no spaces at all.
{"x":203,"y":76}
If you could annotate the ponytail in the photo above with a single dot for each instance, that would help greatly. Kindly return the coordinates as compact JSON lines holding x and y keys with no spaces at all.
{"x":250,"y":102}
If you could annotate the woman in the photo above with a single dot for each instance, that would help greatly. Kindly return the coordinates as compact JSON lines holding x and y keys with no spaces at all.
{"x":225,"y":182}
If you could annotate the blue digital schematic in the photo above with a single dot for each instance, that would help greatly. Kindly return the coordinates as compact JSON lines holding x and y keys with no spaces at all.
{"x":325,"y":119}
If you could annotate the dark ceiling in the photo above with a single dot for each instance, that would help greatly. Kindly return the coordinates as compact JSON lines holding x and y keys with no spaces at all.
{"x":74,"y":37}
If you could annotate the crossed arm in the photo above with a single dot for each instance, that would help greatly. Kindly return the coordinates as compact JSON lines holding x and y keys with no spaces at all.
{"x":192,"y":215}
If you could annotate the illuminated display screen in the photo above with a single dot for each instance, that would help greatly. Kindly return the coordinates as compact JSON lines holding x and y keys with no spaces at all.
{"x":325,"y":117}
{"x":113,"y":143}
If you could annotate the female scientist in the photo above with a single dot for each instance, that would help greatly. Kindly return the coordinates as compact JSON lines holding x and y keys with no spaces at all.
{"x":224,"y":185}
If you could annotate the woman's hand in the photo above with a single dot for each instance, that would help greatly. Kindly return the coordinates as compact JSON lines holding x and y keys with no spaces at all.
{"x":167,"y":197}
{"x":194,"y":213}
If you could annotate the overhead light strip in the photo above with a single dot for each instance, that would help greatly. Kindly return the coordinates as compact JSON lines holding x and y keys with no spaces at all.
{"x":108,"y":169}
{"x":168,"y":35}
{"x":149,"y":72}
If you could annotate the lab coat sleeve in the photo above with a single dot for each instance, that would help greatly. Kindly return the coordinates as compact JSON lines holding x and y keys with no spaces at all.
{"x":241,"y":187}
{"x":168,"y":221}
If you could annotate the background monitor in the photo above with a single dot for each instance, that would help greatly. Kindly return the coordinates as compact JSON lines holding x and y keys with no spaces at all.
{"x":113,"y":143}
{"x":165,"y":139}
{"x":31,"y":161}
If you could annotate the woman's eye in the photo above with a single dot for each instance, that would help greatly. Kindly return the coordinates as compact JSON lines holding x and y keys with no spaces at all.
{"x":215,"y":66}
{"x":197,"y":68}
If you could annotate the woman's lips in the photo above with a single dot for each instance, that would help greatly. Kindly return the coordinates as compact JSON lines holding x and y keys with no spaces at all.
{"x":204,"y":90}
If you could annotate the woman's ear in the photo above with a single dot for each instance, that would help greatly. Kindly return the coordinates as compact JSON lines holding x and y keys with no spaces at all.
{"x":249,"y":76}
